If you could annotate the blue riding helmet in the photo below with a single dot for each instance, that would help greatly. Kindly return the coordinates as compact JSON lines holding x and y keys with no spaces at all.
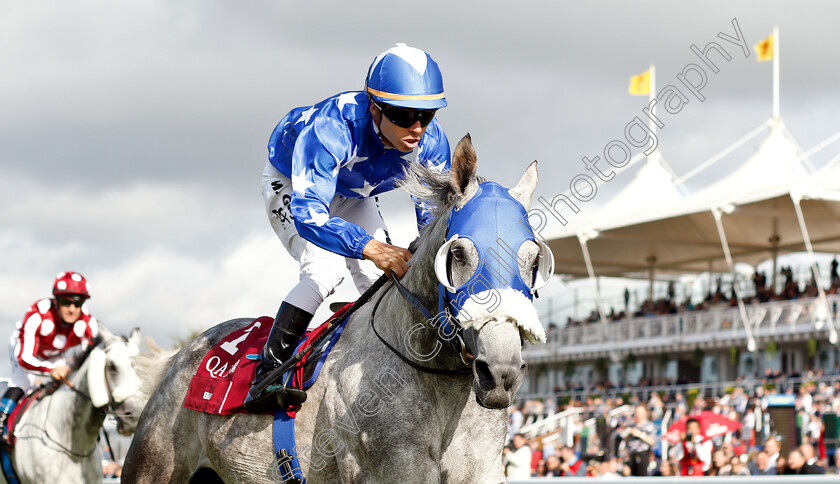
{"x":405,"y":77}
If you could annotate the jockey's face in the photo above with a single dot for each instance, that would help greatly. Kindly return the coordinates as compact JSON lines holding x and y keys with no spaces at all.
{"x":403,"y":139}
{"x":70,"y":308}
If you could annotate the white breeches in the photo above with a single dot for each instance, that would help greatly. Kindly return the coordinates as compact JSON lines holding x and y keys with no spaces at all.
{"x":321,"y":271}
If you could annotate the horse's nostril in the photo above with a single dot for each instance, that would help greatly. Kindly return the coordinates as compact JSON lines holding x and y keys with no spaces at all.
{"x":523,"y":368}
{"x":484,"y":375}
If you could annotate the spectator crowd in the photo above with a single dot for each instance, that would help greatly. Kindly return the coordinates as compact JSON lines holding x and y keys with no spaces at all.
{"x":618,"y":437}
{"x":761,"y":292}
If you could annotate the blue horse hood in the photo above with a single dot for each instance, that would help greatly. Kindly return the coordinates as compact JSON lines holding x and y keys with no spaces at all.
{"x":496,"y":223}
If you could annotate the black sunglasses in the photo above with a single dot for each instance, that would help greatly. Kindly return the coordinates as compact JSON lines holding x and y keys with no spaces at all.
{"x":67,"y":301}
{"x":405,"y":118}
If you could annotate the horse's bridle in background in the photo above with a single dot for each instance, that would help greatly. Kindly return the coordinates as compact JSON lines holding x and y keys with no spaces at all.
{"x":107,"y":409}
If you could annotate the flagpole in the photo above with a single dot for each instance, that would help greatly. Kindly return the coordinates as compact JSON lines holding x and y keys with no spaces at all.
{"x":651,"y":96}
{"x":776,"y":73}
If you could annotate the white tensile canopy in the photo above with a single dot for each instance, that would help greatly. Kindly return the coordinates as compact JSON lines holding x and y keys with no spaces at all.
{"x":748,"y":216}
{"x":679,"y":234}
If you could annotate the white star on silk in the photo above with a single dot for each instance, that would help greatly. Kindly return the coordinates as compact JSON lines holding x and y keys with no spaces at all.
{"x":416,"y":58}
{"x":301,"y":182}
{"x":318,"y":218}
{"x":356,"y":159}
{"x":366,"y":189}
{"x":304,"y":116}
{"x":337,"y":166}
{"x":346,"y":98}
{"x":439,"y":166}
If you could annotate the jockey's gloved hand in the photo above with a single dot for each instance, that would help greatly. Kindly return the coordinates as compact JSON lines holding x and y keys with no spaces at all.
{"x":389,"y":258}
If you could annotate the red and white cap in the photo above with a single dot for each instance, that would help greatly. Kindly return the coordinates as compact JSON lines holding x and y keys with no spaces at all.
{"x":70,"y":283}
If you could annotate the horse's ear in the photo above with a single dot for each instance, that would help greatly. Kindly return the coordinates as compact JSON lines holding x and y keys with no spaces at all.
{"x":97,"y":389}
{"x":524,"y":190}
{"x":463,"y":165}
{"x":134,"y":337}
{"x":106,"y":335}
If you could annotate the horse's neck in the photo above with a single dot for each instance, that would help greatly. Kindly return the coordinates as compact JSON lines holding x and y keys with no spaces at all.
{"x":400,"y":319}
{"x":73,"y":413}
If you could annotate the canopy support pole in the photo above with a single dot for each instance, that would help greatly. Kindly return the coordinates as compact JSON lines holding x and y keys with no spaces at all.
{"x":651,"y":97}
{"x":584,"y":239}
{"x":823,"y":312}
{"x":775,"y":72}
{"x":774,"y":249}
{"x":741,"y":308}
{"x":651,"y":273}
{"x":711,"y":280}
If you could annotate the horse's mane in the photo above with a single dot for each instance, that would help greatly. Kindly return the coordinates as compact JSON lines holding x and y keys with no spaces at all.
{"x":151,"y":366}
{"x":435,"y":188}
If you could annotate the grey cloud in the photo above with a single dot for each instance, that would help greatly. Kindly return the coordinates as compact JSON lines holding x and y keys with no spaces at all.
{"x":161,"y":111}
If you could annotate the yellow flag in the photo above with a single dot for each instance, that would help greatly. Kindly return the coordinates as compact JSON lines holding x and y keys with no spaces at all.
{"x":764,"y":49}
{"x":640,"y":85}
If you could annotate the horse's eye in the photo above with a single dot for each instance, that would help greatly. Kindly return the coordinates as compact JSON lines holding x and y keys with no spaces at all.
{"x":458,"y":255}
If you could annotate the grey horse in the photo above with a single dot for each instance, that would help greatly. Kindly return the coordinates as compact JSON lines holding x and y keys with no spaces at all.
{"x":370,"y":417}
{"x":57,"y":435}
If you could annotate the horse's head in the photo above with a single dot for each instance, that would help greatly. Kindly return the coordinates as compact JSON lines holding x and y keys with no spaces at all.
{"x":113,"y":383}
{"x":489,"y":266}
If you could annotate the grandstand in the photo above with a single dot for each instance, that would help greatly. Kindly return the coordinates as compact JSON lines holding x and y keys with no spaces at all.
{"x":758,"y":347}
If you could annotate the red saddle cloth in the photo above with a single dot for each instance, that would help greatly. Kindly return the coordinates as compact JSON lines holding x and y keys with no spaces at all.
{"x":224,"y":376}
{"x":17,"y":413}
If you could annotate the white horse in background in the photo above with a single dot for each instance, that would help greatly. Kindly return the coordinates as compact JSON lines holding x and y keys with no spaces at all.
{"x":57,"y":435}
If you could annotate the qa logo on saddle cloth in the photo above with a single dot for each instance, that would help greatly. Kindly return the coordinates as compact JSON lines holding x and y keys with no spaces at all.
{"x":496,"y":223}
{"x":217,"y":387}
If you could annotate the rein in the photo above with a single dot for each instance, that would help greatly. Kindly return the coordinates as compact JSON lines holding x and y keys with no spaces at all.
{"x":276,"y":373}
{"x":59,"y":444}
{"x":419,"y":307}
{"x":80,"y":393}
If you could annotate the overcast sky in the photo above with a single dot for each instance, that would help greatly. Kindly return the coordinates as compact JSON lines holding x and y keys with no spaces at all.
{"x":133,"y":134}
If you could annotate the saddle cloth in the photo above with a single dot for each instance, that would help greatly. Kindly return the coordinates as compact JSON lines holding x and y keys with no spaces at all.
{"x":224,"y":376}
{"x":21,"y":407}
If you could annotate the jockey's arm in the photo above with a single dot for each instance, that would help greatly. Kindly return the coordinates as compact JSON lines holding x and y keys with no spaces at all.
{"x":71,"y":358}
{"x":389,"y":258}
{"x":341,"y":237}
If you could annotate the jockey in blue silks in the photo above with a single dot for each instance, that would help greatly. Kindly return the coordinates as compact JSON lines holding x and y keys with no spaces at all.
{"x":326,"y":163}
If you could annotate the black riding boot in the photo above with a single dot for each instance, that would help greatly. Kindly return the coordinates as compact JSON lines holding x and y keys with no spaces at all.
{"x":289,"y":325}
{"x":7,"y":404}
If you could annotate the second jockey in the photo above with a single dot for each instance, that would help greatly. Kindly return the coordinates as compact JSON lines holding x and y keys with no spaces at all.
{"x":50,"y":335}
{"x":326,"y":163}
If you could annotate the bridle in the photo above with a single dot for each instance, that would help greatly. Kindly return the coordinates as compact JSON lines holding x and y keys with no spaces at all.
{"x":441,"y":325}
{"x":108,"y":409}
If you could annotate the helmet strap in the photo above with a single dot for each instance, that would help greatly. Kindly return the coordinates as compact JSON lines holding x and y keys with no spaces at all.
{"x":376,"y":128}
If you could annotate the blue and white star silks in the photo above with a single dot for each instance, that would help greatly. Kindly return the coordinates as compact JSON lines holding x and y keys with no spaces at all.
{"x":332,"y":148}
